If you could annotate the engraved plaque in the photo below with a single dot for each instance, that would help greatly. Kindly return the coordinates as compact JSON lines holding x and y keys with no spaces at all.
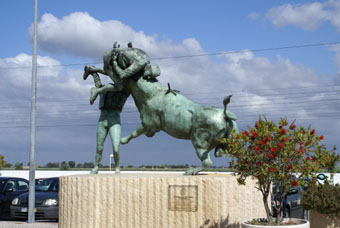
{"x":183,"y":198}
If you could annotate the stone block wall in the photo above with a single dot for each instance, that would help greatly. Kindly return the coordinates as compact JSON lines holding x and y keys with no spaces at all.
{"x":156,"y":200}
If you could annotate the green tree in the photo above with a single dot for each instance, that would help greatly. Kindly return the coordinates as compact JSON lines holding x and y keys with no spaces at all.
{"x":274,"y":153}
{"x":88,"y":165}
{"x":72,"y":164}
{"x":18,"y":166}
{"x":52,"y":165}
{"x":64,"y":166}
{"x":2,"y":162}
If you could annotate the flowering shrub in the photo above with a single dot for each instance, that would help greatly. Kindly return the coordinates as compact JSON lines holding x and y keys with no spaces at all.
{"x":324,"y":198}
{"x":278,"y":153}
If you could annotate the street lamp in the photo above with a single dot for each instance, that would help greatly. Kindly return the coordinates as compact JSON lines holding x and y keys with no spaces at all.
{"x":111,"y":156}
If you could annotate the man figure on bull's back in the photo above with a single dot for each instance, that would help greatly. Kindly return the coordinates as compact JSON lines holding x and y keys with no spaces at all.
{"x":120,"y":64}
{"x":110,"y":105}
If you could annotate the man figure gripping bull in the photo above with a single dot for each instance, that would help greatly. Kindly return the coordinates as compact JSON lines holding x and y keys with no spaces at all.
{"x":110,"y":105}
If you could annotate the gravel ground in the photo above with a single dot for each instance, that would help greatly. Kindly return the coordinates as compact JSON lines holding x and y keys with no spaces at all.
{"x":16,"y":224}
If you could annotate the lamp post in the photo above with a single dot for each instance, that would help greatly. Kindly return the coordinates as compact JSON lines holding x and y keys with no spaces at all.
{"x":111,"y":156}
{"x":31,"y":194}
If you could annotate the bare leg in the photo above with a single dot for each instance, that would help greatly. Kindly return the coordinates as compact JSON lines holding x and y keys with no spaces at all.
{"x":91,"y":70}
{"x":139,"y":131}
{"x":102,"y":132}
{"x":115,"y":133}
{"x":108,"y":87}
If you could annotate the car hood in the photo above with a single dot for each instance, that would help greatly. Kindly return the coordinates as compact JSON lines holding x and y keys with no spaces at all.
{"x":39,"y":197}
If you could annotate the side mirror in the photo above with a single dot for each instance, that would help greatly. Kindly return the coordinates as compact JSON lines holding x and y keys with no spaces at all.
{"x":293,"y":191}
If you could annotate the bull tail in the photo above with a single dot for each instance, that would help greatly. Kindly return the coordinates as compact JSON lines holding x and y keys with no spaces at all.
{"x":226,"y":101}
{"x":230,"y":119}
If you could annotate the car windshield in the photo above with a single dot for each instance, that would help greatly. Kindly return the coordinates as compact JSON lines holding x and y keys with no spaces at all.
{"x":48,"y":185}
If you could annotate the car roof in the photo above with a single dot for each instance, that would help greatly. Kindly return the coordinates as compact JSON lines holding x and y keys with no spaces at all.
{"x":17,"y":178}
{"x":12,"y":178}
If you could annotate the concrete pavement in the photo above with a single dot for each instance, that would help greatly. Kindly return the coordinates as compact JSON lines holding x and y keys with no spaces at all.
{"x":16,"y":224}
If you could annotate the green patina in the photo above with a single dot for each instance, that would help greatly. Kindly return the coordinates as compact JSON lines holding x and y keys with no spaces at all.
{"x":162,"y":108}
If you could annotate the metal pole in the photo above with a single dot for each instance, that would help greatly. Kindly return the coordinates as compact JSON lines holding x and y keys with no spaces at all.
{"x":111,"y":156}
{"x":31,"y":195}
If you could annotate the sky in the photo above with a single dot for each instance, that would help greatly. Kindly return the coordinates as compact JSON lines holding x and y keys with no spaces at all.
{"x":267,"y":54}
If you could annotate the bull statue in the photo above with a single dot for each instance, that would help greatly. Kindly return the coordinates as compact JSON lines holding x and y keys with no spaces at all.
{"x":162,"y":108}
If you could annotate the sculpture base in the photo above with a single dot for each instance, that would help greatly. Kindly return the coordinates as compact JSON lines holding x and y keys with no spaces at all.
{"x":157,"y":200}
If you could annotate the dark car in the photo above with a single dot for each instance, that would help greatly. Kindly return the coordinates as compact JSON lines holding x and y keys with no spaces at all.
{"x":290,"y":203}
{"x":46,"y":201}
{"x":10,"y":187}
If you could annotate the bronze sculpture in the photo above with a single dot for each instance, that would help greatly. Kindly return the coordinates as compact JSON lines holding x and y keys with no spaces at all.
{"x":164,"y":109}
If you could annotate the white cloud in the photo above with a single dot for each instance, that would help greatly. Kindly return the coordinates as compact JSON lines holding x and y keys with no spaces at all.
{"x":307,"y":16}
{"x":64,"y":96}
{"x":80,"y":34}
{"x":253,"y":16}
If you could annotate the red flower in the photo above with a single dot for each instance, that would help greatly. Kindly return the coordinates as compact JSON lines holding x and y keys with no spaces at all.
{"x":281,"y":145}
{"x":257,"y":148}
{"x":307,"y":158}
{"x":271,"y":169}
{"x":290,"y":166}
{"x":263,"y":142}
{"x":309,"y":142}
{"x":256,"y":125}
{"x":314,"y":158}
{"x":283,"y":131}
{"x":295,"y":183}
{"x":292,"y":127}
{"x":286,"y":123}
{"x":283,"y":140}
{"x":254,"y":133}
{"x":258,"y":163}
{"x":267,"y":138}
{"x":312,"y":132}
{"x":274,"y":150}
{"x":302,"y":150}
{"x":321,"y":137}
{"x":246,"y":133}
{"x":271,"y":156}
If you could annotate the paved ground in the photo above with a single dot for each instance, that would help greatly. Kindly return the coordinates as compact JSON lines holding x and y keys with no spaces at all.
{"x":298,"y":213}
{"x":16,"y":224}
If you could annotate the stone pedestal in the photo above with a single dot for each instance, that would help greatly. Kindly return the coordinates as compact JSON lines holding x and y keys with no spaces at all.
{"x":156,"y":200}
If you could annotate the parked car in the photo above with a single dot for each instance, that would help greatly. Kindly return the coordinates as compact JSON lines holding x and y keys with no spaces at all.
{"x":46,"y":201}
{"x":290,"y":203}
{"x":10,"y":187}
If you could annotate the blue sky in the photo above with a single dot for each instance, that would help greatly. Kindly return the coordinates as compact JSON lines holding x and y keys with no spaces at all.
{"x":300,"y":83}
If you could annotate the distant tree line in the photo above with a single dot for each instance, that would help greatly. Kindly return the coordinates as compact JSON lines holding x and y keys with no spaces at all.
{"x":86,"y":165}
